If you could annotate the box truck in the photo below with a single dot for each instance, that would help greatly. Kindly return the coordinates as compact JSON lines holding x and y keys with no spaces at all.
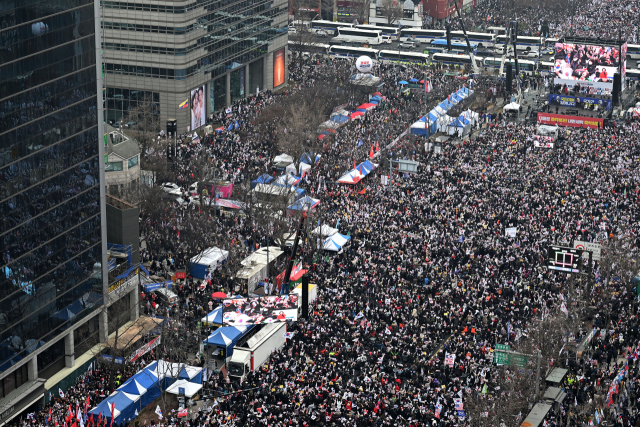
{"x":254,"y":350}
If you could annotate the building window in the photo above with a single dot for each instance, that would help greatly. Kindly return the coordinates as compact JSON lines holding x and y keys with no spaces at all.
{"x":14,"y":380}
{"x":113,"y":167}
{"x":133,"y":162}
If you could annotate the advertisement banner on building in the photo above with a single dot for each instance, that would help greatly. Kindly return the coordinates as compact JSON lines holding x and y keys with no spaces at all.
{"x":571,"y":101}
{"x":198,"y":107}
{"x":145,"y":349}
{"x":573,"y":121}
{"x":590,"y":66}
{"x":278,"y":67}
{"x":254,"y":311}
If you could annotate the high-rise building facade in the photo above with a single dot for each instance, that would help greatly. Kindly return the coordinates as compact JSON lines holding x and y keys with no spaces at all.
{"x":52,"y":210}
{"x":210,"y":53}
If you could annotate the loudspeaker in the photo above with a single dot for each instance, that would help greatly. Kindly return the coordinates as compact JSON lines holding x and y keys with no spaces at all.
{"x":509,"y":77}
{"x":617,"y":86}
{"x":172,"y":127}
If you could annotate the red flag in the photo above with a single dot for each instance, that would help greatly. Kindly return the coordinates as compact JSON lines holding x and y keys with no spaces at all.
{"x":354,"y":162}
{"x":371,"y":153}
{"x":377,"y":145}
{"x":113,"y":410}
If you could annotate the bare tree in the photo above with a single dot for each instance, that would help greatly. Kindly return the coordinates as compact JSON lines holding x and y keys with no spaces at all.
{"x":391,"y":10}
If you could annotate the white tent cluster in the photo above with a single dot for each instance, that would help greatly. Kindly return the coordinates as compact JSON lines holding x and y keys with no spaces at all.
{"x":437,"y":119}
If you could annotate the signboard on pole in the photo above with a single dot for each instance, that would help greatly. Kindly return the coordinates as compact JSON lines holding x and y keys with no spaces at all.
{"x":596,"y":248}
{"x":499,"y":357}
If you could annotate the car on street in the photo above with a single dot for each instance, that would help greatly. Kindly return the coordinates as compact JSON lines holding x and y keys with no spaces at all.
{"x":169,"y":187}
{"x":386,"y":39}
{"x":292,"y":30}
{"x":321,"y":33}
{"x":408,"y":45}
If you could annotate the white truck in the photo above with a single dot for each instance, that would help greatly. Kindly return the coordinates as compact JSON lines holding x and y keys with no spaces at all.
{"x":254,"y":350}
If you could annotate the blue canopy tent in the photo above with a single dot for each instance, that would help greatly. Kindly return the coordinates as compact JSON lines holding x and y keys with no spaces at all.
{"x":306,"y":158}
{"x":126,"y":406}
{"x":336,"y":242}
{"x":340,"y":119}
{"x":262,"y":179}
{"x":445,"y":105}
{"x":367,"y":167}
{"x":376,"y":98}
{"x":305,"y":203}
{"x":227,"y":337}
{"x":191,"y":373}
{"x":214,"y":318}
{"x":145,"y":380}
{"x":422,"y":129}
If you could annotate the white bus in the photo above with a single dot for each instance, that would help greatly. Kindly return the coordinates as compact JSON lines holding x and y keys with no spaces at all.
{"x":481,"y":39}
{"x":551,"y":41}
{"x":346,"y":52}
{"x":522,"y":43}
{"x":330,"y":27}
{"x":547,"y":68}
{"x":633,"y":51}
{"x":403,"y":57}
{"x":320,"y":48}
{"x":426,"y":36}
{"x":632,"y":74}
{"x":498,"y":31}
{"x":392,"y":32}
{"x":451,"y":58}
{"x":526,"y":66}
{"x":355,"y":35}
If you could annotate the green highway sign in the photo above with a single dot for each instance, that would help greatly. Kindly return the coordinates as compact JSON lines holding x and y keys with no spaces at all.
{"x":500,"y":357}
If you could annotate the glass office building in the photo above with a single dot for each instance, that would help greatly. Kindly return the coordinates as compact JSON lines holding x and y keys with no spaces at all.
{"x":51,"y":209}
{"x":209,"y":52}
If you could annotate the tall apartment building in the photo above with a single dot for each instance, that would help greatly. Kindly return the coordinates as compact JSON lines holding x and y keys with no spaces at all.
{"x":209,"y":52}
{"x":52,"y":207}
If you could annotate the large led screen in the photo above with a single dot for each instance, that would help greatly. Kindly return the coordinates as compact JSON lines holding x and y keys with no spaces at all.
{"x":590,"y":66}
{"x":278,"y":67}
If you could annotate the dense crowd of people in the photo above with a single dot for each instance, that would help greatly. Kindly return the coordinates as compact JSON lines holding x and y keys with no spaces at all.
{"x":407,"y":315}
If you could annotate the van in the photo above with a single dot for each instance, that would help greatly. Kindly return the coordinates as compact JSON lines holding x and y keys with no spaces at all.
{"x":166,"y":296}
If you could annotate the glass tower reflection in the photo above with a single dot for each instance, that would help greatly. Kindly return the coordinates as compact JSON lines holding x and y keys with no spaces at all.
{"x":50,"y":216}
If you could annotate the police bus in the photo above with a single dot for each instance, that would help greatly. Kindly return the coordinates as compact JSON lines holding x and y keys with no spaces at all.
{"x":482,"y":39}
{"x":452,"y":58}
{"x":425,"y":36}
{"x":525,"y":66}
{"x":522,"y":43}
{"x":308,"y":48}
{"x":632,"y":74}
{"x":392,"y":32}
{"x":633,"y":51}
{"x":330,"y":27}
{"x":497,"y":30}
{"x":547,"y":68}
{"x":440,"y":45}
{"x":346,"y":52}
{"x":403,"y":57}
{"x":356,"y":35}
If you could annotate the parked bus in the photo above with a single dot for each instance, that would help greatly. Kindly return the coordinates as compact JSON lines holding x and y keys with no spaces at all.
{"x":551,"y":42}
{"x":346,"y":52}
{"x":526,"y":66}
{"x":404,"y":57}
{"x":440,"y":45}
{"x":330,"y":27}
{"x":498,"y":31}
{"x":308,"y":48}
{"x":633,"y":74}
{"x":522,"y":43}
{"x":392,"y":32}
{"x":355,"y":35}
{"x":633,"y":51}
{"x":425,"y":36}
{"x":547,"y":68}
{"x":482,"y":39}
{"x":452,"y":58}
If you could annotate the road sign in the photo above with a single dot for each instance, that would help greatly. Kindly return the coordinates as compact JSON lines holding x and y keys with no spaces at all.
{"x":499,"y":357}
{"x":596,"y":248}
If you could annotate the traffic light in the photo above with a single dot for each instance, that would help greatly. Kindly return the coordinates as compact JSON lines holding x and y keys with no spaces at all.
{"x":448,"y":27}
{"x":509,"y":77}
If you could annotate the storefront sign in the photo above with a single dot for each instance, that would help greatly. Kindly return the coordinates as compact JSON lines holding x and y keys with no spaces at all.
{"x":573,"y":121}
{"x":181,"y":274}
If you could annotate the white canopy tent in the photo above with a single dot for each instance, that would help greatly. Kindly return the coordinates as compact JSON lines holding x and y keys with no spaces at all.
{"x":512,"y":106}
{"x":190,"y":389}
{"x":325,"y":230}
{"x":303,"y":167}
{"x":283,"y":158}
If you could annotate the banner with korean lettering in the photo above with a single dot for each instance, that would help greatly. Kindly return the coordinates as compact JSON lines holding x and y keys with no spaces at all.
{"x":573,"y":121}
{"x":571,"y":101}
